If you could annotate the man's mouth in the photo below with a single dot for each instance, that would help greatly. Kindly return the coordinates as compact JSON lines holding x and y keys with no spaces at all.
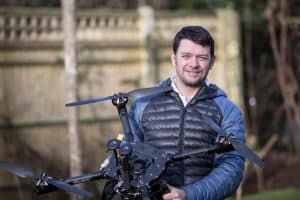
{"x":193,"y":73}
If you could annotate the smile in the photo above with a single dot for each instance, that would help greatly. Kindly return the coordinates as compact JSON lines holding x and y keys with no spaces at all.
{"x":193,"y":73}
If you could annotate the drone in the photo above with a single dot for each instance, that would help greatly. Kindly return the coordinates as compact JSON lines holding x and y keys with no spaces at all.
{"x":135,"y":169}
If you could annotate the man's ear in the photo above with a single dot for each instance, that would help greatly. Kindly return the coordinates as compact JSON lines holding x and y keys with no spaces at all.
{"x":173,"y":59}
{"x":212,"y":62}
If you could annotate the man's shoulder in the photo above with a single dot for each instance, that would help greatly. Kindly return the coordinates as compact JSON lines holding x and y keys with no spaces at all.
{"x":164,"y":83}
{"x":145,"y":99}
{"x":223,"y":101}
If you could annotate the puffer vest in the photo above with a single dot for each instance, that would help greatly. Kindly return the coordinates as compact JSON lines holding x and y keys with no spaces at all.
{"x":176,"y":129}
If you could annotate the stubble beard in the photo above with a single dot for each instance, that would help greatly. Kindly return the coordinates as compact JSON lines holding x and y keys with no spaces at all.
{"x":194,"y":84}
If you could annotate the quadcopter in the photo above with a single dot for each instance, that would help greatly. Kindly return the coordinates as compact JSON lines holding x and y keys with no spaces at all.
{"x":135,"y":169}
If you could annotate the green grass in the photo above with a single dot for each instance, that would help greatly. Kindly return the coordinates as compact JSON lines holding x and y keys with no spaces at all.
{"x":282,"y":194}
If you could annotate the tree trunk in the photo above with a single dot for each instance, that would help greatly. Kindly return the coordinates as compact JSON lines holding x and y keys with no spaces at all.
{"x":68,"y":9}
{"x":278,"y":14}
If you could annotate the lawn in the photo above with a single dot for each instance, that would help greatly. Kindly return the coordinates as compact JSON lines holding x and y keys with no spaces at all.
{"x":280,"y":194}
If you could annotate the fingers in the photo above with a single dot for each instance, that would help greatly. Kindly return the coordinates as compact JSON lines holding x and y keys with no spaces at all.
{"x":174,"y":194}
{"x":104,"y":164}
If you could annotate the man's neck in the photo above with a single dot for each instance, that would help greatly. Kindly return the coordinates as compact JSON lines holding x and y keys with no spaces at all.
{"x":185,"y":90}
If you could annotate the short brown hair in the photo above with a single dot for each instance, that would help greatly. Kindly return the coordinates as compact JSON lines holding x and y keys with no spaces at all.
{"x":196,"y":34}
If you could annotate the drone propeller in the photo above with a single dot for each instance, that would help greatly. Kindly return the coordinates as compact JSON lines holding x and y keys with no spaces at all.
{"x":19,"y":171}
{"x":237,"y":145}
{"x":137,"y":93}
{"x":27,"y":173}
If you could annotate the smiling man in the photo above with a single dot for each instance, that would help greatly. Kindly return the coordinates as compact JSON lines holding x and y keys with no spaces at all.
{"x":192,"y":62}
{"x":173,"y":122}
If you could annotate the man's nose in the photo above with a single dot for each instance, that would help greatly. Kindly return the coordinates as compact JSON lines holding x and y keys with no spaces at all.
{"x":194,"y":62}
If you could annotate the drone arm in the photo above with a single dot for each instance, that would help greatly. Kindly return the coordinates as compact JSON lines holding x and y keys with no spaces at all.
{"x":125,"y":123}
{"x":120,"y":102}
{"x":96,"y":175}
{"x":42,"y":189}
{"x":218,"y":148}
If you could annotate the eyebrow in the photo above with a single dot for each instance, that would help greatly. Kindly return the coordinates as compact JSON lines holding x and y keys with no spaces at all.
{"x":200,"y":55}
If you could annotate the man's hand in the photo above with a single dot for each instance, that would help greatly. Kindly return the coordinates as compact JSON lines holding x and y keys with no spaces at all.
{"x":104,"y":164}
{"x":175,"y":194}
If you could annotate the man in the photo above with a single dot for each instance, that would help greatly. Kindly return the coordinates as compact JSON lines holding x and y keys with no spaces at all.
{"x":173,"y":122}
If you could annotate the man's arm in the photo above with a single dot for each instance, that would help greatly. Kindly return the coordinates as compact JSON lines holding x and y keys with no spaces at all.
{"x":228,"y":167}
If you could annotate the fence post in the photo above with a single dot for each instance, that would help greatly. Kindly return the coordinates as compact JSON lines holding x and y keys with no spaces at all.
{"x":148,"y":68}
{"x":229,"y":73}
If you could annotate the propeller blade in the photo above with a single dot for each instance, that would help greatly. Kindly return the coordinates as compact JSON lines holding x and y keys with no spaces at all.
{"x":238,"y":146}
{"x":67,"y":187}
{"x":134,"y":93}
{"x":26,"y":173}
{"x":246,"y":152}
{"x":212,"y":125}
{"x":148,"y":91}
{"x":78,"y":103}
{"x":17,"y":170}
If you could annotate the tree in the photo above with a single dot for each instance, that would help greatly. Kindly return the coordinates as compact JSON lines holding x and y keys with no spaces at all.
{"x":68,"y":9}
{"x":282,"y":38}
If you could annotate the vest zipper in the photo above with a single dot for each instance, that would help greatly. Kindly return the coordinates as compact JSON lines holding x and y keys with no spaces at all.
{"x":181,"y":135}
{"x":181,"y":144}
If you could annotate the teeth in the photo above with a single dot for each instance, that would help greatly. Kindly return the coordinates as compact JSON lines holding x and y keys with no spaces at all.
{"x":193,"y":74}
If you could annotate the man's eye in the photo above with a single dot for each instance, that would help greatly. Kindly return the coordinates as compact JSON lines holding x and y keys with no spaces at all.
{"x":202,"y":58}
{"x":186,"y":56}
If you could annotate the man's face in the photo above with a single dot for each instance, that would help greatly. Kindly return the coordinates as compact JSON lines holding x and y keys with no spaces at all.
{"x":192,"y":62}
